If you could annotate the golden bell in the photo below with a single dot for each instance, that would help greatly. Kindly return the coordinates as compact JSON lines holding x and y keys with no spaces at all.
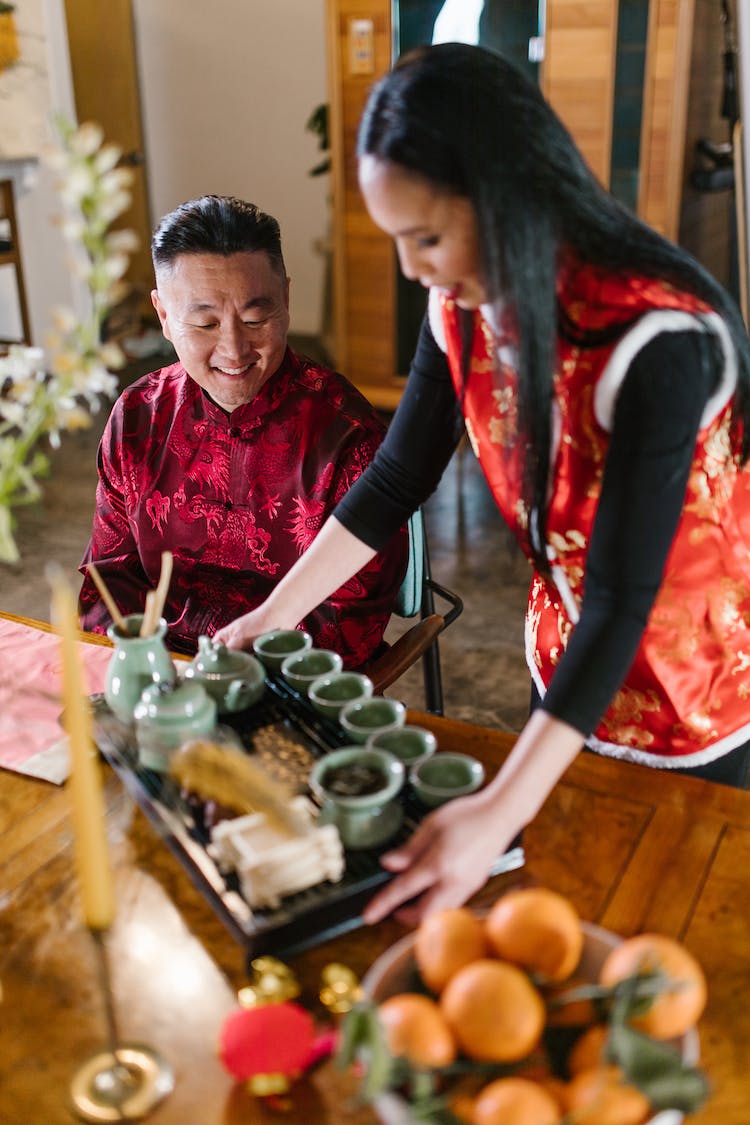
{"x":340,"y":988}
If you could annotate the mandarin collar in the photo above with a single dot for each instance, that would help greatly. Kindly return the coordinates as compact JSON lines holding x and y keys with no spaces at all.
{"x":250,"y":413}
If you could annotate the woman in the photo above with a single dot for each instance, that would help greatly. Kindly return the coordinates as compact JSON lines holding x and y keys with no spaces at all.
{"x":603,"y":377}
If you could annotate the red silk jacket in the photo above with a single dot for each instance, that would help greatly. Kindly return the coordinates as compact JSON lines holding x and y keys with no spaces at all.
{"x":237,"y":499}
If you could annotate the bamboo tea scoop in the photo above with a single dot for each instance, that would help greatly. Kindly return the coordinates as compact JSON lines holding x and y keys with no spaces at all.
{"x":107,"y":598}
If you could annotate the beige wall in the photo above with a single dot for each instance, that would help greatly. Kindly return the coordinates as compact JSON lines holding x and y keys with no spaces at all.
{"x":43,"y":250}
{"x":226,"y":90}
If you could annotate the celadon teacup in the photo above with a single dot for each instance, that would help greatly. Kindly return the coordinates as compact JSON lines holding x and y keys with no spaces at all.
{"x":446,"y":775}
{"x":273,"y":648}
{"x":330,"y":694}
{"x":364,"y":819}
{"x":409,"y":743}
{"x":301,"y":668}
{"x":363,"y":718}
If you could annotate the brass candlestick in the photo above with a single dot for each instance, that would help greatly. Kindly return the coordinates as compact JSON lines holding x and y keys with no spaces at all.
{"x":125,"y":1081}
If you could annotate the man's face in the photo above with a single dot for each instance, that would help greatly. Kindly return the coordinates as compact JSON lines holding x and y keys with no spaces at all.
{"x":227,"y":318}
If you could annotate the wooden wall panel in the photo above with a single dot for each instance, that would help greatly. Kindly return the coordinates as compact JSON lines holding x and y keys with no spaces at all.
{"x":105,"y":81}
{"x":578,"y":74}
{"x":665,"y":95}
{"x":364,"y":269}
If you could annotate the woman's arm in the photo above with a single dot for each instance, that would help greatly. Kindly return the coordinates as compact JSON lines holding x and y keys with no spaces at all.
{"x":330,"y":560}
{"x":655,"y":428}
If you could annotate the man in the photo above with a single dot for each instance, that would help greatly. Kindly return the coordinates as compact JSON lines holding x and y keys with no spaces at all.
{"x":233,"y":457}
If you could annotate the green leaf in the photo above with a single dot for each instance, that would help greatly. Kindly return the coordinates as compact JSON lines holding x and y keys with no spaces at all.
{"x":656,"y":1069}
{"x":363,"y":1041}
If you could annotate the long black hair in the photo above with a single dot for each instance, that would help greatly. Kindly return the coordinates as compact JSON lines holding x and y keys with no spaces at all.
{"x":469,"y":122}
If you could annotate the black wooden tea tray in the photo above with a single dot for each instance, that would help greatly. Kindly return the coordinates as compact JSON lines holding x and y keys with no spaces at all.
{"x":288,"y":735}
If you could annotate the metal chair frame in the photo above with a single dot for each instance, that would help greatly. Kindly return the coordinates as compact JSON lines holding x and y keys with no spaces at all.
{"x":417,"y":598}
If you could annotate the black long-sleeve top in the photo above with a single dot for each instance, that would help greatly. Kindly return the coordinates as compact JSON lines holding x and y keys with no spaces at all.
{"x":656,"y":422}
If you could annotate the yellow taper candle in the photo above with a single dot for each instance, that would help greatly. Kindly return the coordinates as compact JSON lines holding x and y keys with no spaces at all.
{"x":92,"y":855}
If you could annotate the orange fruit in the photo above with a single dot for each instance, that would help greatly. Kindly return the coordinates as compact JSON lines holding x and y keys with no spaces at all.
{"x":538,"y":929}
{"x":598,"y":1096}
{"x":574,"y":1013}
{"x":678,"y":1008}
{"x":462,"y":1107}
{"x":415,"y":1027}
{"x":515,"y":1101}
{"x":587,"y":1051}
{"x":493,"y":1010}
{"x":445,"y":942}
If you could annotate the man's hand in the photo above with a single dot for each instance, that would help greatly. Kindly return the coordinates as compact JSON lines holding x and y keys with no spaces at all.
{"x":241,"y":632}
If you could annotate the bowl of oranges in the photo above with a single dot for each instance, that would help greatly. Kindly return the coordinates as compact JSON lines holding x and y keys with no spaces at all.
{"x":527,"y":1015}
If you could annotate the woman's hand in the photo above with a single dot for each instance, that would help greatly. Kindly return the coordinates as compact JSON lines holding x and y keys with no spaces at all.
{"x":447,"y":859}
{"x":450,"y":855}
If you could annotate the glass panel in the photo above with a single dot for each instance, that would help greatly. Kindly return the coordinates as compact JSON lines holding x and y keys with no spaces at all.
{"x":632,"y":32}
{"x":505,"y":26}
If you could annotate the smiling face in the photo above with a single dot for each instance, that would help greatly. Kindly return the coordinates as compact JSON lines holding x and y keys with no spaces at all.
{"x":435,"y":231}
{"x":227,"y":318}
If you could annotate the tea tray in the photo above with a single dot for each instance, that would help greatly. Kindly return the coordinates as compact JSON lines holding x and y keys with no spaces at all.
{"x":287,"y":735}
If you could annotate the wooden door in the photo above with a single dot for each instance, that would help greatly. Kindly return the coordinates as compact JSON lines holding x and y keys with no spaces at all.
{"x":578,"y":74}
{"x":105,"y":82}
{"x":364,"y":265}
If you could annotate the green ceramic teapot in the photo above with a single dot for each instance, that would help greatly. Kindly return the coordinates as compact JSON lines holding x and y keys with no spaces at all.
{"x":234,"y":680}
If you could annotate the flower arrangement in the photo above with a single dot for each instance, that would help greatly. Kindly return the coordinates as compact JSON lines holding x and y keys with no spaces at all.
{"x":40,"y":396}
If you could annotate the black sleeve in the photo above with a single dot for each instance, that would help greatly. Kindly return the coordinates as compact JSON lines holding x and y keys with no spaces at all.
{"x":419,"y":444}
{"x":656,"y":423}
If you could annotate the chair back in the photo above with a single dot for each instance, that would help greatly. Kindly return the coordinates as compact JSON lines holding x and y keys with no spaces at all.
{"x":409,"y":598}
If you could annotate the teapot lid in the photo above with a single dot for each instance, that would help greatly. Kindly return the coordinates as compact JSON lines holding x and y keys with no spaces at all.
{"x":169,"y":702}
{"x":214,"y":658}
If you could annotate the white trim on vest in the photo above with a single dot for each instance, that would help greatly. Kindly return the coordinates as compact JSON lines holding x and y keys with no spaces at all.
{"x":651,"y":325}
{"x":435,"y":318}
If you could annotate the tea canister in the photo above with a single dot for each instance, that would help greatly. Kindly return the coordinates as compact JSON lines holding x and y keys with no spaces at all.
{"x":136,"y":663}
{"x":166,"y":716}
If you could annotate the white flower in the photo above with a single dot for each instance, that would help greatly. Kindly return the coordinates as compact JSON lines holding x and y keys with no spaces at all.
{"x":112,"y":355}
{"x":38,"y":397}
{"x":115,"y":266}
{"x":122,"y":241}
{"x":73,"y":228}
{"x":107,"y":157}
{"x":86,"y":139}
{"x":64,"y":320}
{"x":79,"y":182}
{"x":113,"y":205}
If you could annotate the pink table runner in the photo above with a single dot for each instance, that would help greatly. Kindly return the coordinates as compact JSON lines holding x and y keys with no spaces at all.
{"x":31,"y":738}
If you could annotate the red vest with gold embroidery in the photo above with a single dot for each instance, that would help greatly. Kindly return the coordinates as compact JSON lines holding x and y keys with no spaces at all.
{"x":686,"y":698}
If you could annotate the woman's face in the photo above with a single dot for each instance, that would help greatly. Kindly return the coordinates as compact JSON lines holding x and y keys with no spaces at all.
{"x":435,"y":232}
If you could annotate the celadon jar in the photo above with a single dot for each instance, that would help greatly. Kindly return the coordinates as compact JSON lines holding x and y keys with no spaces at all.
{"x":167,"y":716}
{"x":136,"y":663}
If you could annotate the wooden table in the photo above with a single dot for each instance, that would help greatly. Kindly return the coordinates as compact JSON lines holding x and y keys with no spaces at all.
{"x":635,"y":849}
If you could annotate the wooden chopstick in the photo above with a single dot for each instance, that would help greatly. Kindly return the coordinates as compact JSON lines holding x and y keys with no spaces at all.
{"x":155,"y":599}
{"x":148,"y":623}
{"x":162,"y":588}
{"x":107,"y":598}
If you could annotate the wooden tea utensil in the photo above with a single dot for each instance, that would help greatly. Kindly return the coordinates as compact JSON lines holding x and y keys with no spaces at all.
{"x":107,"y":598}
{"x":231,"y":777}
{"x":155,"y":599}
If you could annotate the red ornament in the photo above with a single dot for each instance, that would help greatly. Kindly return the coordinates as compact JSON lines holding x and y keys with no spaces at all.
{"x":274,"y":1040}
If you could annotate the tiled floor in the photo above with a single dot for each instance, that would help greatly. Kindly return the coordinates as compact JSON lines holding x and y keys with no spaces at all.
{"x":484,"y":673}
